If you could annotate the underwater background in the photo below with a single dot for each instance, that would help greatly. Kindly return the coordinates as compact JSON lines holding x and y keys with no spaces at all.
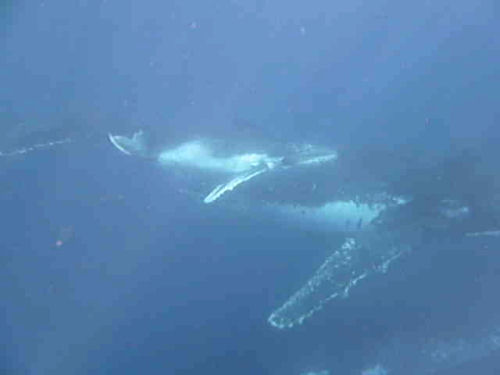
{"x":107,"y":264}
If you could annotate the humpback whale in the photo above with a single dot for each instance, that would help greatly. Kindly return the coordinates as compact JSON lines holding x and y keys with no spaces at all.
{"x":378,"y":227}
{"x":241,"y":167}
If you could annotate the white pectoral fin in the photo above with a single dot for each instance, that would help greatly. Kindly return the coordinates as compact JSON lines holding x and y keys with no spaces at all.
{"x":222,"y":188}
{"x":342,"y":270}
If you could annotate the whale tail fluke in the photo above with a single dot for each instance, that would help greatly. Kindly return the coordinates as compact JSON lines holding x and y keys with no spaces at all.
{"x":135,"y":145}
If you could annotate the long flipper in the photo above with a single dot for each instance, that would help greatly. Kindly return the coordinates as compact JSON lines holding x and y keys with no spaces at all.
{"x":222,"y":188}
{"x":340,"y":272}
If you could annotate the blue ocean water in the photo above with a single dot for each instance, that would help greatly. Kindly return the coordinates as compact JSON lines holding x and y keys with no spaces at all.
{"x":113,"y":265}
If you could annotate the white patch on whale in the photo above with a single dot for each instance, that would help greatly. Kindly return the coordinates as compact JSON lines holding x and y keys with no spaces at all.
{"x":345,"y":216}
{"x":198,"y":154}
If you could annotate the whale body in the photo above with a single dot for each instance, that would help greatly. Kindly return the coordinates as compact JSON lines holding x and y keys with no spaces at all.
{"x":239,"y":168}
